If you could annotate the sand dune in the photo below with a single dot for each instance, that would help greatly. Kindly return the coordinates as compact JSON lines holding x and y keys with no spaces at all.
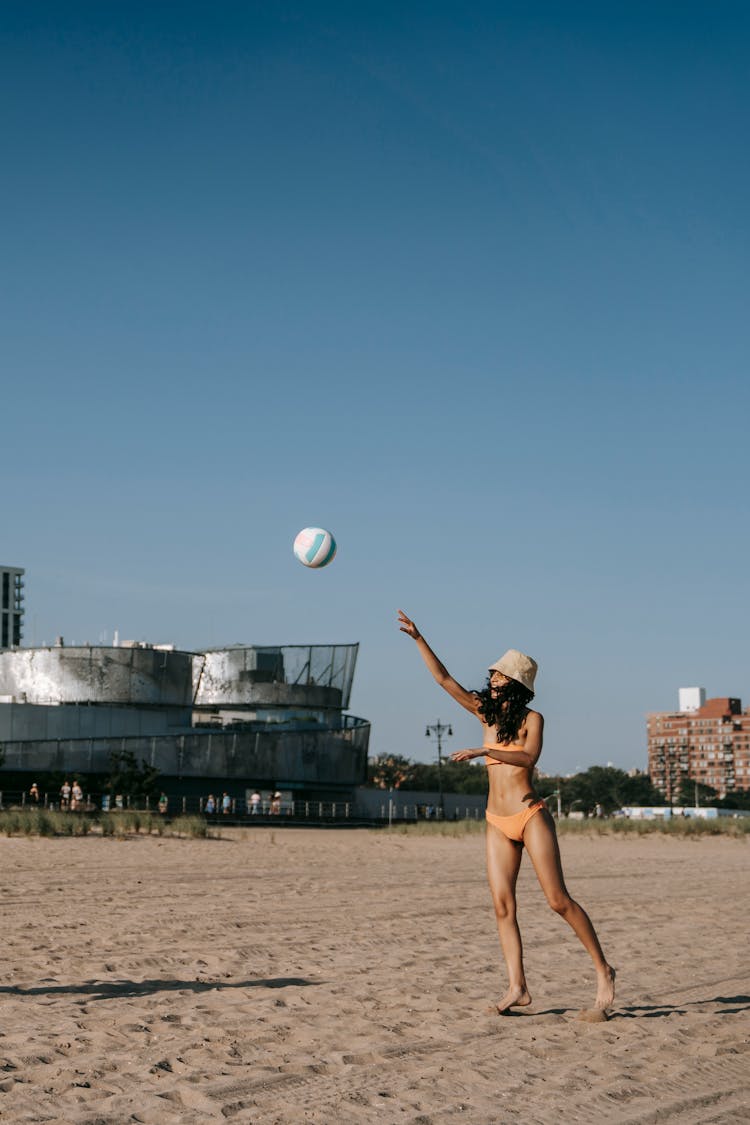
{"x":343,"y":976}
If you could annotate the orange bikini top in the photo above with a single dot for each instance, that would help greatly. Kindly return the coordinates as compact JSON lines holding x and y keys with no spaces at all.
{"x":494,"y":761}
{"x":513,"y":747}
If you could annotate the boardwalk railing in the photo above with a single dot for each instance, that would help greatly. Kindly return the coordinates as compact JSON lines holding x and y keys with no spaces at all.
{"x":237,"y":810}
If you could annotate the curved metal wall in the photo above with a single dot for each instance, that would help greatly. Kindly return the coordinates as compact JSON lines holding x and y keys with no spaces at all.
{"x":22,"y":722}
{"x":93,"y":674}
{"x":297,"y":675}
{"x":297,"y":758}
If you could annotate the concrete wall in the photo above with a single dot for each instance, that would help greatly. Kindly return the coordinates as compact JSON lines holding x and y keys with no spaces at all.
{"x":291,"y":758}
{"x":89,"y":674}
{"x":20,"y":722}
{"x":247,"y":694}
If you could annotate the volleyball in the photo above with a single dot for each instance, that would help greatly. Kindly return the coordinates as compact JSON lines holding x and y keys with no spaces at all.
{"x":314,"y":546}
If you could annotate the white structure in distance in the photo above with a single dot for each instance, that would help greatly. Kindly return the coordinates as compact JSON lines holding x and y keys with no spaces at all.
{"x":692,"y":698}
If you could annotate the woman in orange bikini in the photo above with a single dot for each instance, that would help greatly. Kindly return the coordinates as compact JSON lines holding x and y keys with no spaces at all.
{"x":516,"y":818}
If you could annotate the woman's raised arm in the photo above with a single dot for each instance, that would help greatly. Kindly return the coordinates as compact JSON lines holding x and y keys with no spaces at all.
{"x":437,"y":669}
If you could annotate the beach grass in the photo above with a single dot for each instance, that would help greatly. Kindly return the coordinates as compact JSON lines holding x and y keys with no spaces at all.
{"x":690,"y":827}
{"x":119,"y":824}
{"x":437,"y":828}
{"x":193,"y":827}
{"x":42,"y":822}
{"x":132,"y":822}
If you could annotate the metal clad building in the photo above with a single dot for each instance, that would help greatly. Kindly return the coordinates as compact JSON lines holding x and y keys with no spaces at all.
{"x":259,"y":715}
{"x":335,"y":760}
{"x":291,"y":677}
{"x":11,"y":606}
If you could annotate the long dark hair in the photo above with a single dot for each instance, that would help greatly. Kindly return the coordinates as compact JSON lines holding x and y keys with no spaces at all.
{"x":505,"y":709}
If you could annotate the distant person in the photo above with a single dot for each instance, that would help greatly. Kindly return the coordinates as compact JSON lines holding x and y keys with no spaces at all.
{"x":76,"y":796}
{"x":65,"y":795}
{"x":276,"y":803}
{"x":34,"y":793}
{"x":210,"y":805}
{"x":163,"y":804}
{"x":254,"y":802}
{"x":516,"y":817}
{"x":226,"y":804}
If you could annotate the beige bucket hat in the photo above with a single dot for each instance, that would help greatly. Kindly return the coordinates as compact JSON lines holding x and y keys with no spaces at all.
{"x":518,"y":666}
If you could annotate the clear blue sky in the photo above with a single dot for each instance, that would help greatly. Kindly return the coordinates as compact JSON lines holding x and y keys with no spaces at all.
{"x":466,"y":284}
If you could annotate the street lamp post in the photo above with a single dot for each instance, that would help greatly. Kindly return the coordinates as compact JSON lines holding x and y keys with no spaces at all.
{"x":439,"y":730}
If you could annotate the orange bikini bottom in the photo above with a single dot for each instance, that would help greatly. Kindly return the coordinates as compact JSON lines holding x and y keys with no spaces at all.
{"x":513,"y":826}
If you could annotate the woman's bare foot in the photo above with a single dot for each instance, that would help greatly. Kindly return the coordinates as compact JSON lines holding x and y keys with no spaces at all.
{"x":605,"y":991}
{"x":514,"y":998}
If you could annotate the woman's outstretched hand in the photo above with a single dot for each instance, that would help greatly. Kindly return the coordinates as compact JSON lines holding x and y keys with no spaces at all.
{"x":468,"y":699}
{"x":406,"y":625}
{"x":466,"y":755}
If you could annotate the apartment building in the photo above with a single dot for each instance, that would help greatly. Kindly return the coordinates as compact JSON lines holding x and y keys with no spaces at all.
{"x":705,"y":741}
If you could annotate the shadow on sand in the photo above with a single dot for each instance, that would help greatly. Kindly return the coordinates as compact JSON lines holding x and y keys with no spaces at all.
{"x":654,"y":1011}
{"x":108,"y":990}
{"x":734,"y":1006}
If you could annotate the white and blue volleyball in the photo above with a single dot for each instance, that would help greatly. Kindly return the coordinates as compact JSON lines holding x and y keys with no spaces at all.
{"x":314,"y":546}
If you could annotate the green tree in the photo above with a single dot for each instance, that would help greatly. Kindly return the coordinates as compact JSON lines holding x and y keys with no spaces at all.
{"x":578,"y":794}
{"x":456,"y":777}
{"x":740,"y":799}
{"x":687,"y":791}
{"x":606,"y":786}
{"x":465,"y":777}
{"x":126,"y":777}
{"x":423,"y":776}
{"x":638,"y":789}
{"x":548,"y":786}
{"x":388,"y":771}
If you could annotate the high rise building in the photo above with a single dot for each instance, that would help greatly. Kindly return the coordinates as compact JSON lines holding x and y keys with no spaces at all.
{"x":706,"y":741}
{"x":11,"y":606}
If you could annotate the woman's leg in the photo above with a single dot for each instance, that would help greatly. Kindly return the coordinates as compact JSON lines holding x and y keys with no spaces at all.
{"x":540,"y":840}
{"x":503,"y":862}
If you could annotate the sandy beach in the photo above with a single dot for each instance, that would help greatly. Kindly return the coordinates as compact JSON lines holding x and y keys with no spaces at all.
{"x":343,"y":976}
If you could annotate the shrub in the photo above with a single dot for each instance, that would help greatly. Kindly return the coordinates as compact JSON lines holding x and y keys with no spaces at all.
{"x":193,"y":826}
